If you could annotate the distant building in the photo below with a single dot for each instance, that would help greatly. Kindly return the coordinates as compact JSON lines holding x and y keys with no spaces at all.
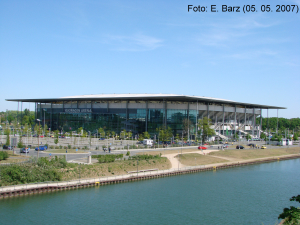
{"x":146,"y":112}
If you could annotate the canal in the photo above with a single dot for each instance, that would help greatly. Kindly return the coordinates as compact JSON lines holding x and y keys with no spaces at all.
{"x":253,"y":194}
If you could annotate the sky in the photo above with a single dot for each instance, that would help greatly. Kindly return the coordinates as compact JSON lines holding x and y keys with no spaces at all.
{"x":51,"y":49}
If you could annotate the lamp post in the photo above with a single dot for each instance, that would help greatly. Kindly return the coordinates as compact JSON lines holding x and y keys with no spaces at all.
{"x":38,"y":139}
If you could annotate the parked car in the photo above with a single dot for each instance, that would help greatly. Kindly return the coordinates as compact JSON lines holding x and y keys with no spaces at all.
{"x":24,"y":150}
{"x":8,"y":147}
{"x":225,"y":146}
{"x":240,"y":147}
{"x":263,"y":147}
{"x":41,"y":148}
{"x":202,"y":147}
{"x":101,"y":139}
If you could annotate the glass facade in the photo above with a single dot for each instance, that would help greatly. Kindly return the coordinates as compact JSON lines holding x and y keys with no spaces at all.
{"x":135,"y":116}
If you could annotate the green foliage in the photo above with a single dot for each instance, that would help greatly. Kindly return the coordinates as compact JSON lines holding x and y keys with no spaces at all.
{"x":291,"y":215}
{"x":40,"y":171}
{"x":7,"y":132}
{"x":205,"y":128}
{"x":248,"y":137}
{"x":146,"y":135}
{"x":263,"y":136}
{"x":128,"y":153}
{"x":144,"y":157}
{"x":10,"y":118}
{"x":164,"y":133}
{"x":107,"y":158}
{"x":283,"y":123}
{"x":141,"y":137}
{"x":295,"y":138}
{"x":20,"y":143}
{"x":3,"y":155}
{"x":56,"y":140}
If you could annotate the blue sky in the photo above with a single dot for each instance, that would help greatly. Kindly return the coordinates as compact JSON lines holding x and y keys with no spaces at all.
{"x":53,"y":49}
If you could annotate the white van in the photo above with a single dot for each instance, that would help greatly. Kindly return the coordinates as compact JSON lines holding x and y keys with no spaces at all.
{"x":148,"y":142}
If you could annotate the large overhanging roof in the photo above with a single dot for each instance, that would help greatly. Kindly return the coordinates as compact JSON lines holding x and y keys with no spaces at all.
{"x":154,"y":97}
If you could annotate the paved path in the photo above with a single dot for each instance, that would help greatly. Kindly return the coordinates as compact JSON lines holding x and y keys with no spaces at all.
{"x":177,"y":164}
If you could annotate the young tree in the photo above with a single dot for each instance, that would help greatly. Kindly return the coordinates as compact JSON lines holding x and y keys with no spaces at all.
{"x":101,"y":132}
{"x":56,"y":137}
{"x":7,"y":132}
{"x":164,"y":134}
{"x":20,"y":143}
{"x":295,"y":138}
{"x":146,"y":135}
{"x":248,"y":137}
{"x":263,"y":136}
{"x":205,"y":128}
{"x":141,"y":137}
{"x":186,"y":125}
{"x":10,"y":118}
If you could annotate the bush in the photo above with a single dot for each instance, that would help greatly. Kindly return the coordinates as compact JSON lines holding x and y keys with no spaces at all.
{"x":107,"y":158}
{"x":3,"y":155}
{"x":43,"y":170}
{"x":144,"y":157}
{"x":69,"y":146}
{"x":60,"y":147}
{"x":128,"y":153}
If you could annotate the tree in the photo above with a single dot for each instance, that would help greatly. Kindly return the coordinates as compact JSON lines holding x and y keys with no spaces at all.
{"x":291,"y":215}
{"x":56,"y":137}
{"x":129,"y":134}
{"x":101,"y":132}
{"x":186,"y":125}
{"x":141,"y":137}
{"x":164,"y":133}
{"x":248,"y":137}
{"x":123,"y":134}
{"x":263,"y":136}
{"x":295,"y":138}
{"x":10,"y":118}
{"x":146,"y":135}
{"x":7,"y":132}
{"x":37,"y":129}
{"x":205,"y":128}
{"x":20,"y":143}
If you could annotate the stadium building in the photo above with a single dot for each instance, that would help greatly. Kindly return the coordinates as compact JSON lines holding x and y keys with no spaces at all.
{"x":146,"y":112}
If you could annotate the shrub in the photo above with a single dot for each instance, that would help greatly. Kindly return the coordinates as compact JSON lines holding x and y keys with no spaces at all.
{"x":60,"y":147}
{"x":107,"y":158}
{"x":69,"y":146}
{"x":3,"y":155}
{"x":128,"y":153}
{"x":144,"y":157}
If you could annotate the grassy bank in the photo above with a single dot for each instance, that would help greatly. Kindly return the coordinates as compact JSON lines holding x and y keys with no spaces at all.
{"x":57,"y":169}
{"x":194,"y":159}
{"x":14,"y":158}
{"x":255,"y":153}
{"x":118,"y":167}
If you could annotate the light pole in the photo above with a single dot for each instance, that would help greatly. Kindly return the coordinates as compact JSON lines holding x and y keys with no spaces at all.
{"x":38,"y":139}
